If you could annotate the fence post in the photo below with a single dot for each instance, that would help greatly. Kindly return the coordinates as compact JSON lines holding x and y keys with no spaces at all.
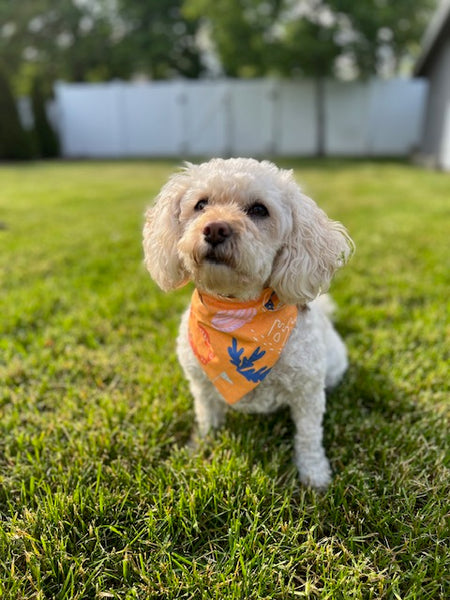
{"x":181,"y":100}
{"x":122,"y":129}
{"x":321,"y":119}
{"x":273,"y":93}
{"x":228,"y":120}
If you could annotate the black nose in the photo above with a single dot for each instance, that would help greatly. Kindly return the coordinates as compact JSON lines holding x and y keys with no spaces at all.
{"x":216,"y":232}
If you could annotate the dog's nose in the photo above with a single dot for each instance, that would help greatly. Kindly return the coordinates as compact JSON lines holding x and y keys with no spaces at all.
{"x":216,"y":232}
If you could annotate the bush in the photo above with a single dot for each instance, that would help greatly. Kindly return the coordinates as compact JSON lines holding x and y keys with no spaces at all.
{"x":15,"y":143}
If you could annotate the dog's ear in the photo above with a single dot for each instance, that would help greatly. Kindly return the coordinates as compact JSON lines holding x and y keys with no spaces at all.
{"x":315,"y":248}
{"x":162,"y":232}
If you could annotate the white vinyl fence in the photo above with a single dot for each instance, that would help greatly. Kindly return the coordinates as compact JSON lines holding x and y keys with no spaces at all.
{"x":238,"y":117}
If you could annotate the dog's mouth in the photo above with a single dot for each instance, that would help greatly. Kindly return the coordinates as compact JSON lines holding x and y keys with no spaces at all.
{"x":218,"y":257}
{"x":215,"y":259}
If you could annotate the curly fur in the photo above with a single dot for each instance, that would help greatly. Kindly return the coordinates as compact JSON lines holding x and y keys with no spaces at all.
{"x":295,"y":250}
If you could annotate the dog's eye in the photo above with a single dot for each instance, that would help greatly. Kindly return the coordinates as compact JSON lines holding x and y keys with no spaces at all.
{"x":201,"y":204}
{"x":257,"y":210}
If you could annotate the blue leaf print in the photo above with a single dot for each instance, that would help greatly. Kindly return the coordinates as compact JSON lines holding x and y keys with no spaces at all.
{"x":245,"y":365}
{"x":235,"y":355}
{"x":256,"y":355}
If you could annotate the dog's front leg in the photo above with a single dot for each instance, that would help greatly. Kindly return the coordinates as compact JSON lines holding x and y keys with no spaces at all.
{"x":209,"y":409}
{"x":310,"y":458}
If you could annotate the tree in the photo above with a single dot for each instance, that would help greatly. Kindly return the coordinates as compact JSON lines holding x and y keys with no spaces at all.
{"x":243,"y":33}
{"x":15,"y":144}
{"x":313,"y":38}
{"x":311,"y":48}
{"x":159,"y":41}
{"x":92,"y":41}
{"x":71,"y":40}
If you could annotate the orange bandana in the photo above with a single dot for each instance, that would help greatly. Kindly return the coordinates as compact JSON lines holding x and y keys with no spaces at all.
{"x":237,"y":343}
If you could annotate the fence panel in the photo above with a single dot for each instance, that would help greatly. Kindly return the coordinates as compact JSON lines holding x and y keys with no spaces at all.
{"x":251,"y":118}
{"x":296,"y":120}
{"x":150,"y":119}
{"x":204,"y":112}
{"x":89,"y":117}
{"x":346,"y":118}
{"x":395,"y":118}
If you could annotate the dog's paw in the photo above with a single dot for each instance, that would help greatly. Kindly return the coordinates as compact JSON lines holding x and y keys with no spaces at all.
{"x":315,"y":474}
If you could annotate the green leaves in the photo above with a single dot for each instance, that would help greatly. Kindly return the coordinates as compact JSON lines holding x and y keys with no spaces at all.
{"x":260,"y":37}
{"x":85,"y":41}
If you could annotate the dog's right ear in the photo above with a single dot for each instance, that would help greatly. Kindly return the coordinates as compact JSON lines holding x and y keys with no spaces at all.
{"x":162,"y":232}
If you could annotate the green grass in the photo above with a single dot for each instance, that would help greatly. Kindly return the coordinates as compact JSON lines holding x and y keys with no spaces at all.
{"x":100,"y":496}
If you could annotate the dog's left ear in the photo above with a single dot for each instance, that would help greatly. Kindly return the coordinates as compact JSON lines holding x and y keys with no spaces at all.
{"x":315,"y":248}
{"x":162,"y":232}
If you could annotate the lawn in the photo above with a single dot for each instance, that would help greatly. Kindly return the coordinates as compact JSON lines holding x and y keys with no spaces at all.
{"x":100,"y":496}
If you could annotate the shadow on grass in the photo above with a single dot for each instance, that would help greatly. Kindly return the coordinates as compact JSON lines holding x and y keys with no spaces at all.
{"x":383,"y":472}
{"x":368,"y":427}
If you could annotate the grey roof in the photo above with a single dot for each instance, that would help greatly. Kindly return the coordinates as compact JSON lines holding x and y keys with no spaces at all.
{"x":436,"y":32}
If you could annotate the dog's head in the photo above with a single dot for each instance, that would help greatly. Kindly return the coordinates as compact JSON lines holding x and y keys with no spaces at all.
{"x":236,"y":226}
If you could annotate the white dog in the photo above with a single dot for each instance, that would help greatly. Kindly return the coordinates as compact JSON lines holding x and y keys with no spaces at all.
{"x":259,"y":253}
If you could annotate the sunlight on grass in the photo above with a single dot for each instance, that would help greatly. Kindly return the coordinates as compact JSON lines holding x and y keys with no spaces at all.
{"x":99,"y":495}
